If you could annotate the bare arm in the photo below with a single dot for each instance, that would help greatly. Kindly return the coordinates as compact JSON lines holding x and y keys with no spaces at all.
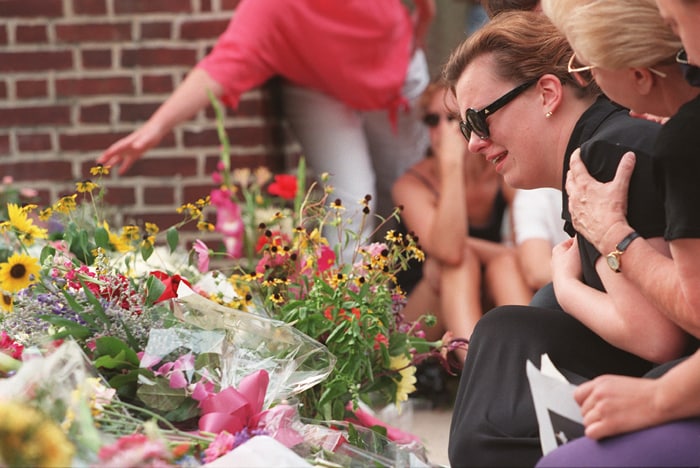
{"x":613,"y":404}
{"x":598,"y":212}
{"x":531,"y":253}
{"x":188,"y":99}
{"x":422,"y":19}
{"x":622,"y":316}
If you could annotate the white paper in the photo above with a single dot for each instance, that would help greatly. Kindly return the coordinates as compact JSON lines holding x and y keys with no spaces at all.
{"x":558,"y":414}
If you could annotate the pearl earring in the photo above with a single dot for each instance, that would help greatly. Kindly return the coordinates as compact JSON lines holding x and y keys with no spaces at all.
{"x":548,"y":114}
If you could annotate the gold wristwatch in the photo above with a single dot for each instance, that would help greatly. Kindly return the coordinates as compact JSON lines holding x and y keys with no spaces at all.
{"x":613,"y":258}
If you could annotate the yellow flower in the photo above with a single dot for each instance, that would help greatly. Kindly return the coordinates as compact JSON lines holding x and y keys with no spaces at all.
{"x":25,"y":228}
{"x":406,"y":384}
{"x":29,"y":438}
{"x":66,"y":204}
{"x":118,"y":243}
{"x":18,"y":272}
{"x":86,"y":186}
{"x":99,"y":170}
{"x":6,"y":302}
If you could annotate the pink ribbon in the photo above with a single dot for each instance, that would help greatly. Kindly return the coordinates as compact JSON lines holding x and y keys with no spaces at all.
{"x":233,"y":409}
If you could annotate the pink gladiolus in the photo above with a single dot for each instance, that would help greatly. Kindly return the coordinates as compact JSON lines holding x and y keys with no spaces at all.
{"x":229,"y":222}
{"x":202,"y":255}
{"x":10,"y":346}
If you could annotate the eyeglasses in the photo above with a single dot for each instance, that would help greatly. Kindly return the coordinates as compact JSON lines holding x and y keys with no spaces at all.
{"x":475,"y":120}
{"x":682,"y":57}
{"x":433,"y":120}
{"x":584,"y":77}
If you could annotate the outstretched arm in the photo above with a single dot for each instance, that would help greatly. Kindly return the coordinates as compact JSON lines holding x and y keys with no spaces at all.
{"x":188,"y":99}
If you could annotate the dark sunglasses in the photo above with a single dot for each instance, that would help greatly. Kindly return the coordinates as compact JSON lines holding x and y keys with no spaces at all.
{"x":475,"y":120}
{"x":433,"y":120}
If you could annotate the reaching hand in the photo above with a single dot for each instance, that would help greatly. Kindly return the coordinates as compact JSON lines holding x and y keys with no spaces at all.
{"x":595,"y":206}
{"x":126,"y":151}
{"x":612,"y":404}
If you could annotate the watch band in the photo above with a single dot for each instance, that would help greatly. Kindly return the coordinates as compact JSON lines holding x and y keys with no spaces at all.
{"x":624,"y":243}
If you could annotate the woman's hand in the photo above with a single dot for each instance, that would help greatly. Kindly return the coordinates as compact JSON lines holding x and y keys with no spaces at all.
{"x":612,"y":404}
{"x":125,"y":152}
{"x":596,"y":207}
{"x":566,"y":262}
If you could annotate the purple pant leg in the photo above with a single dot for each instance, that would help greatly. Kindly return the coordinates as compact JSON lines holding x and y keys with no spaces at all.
{"x":670,"y":445}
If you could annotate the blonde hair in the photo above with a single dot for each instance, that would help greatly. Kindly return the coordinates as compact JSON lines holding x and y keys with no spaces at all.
{"x":525,"y":45}
{"x":615,"y":34}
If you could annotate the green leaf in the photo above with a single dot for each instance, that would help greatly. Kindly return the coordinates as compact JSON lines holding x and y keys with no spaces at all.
{"x":154,"y":288}
{"x":173,"y":238}
{"x":111,"y":346}
{"x":97,"y":305}
{"x":47,"y":251}
{"x":160,"y":396}
{"x":71,"y":328}
{"x":102,"y":238}
{"x":187,"y":410}
{"x":146,"y":250}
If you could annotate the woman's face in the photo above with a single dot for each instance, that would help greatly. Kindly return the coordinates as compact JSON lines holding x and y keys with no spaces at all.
{"x":516,"y":146}
{"x":684,"y":18}
{"x":437,"y":115}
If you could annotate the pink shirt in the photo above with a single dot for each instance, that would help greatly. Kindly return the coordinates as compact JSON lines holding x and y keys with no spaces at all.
{"x":356,"y":51}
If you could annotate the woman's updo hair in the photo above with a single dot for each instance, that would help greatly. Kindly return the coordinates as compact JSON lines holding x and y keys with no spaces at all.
{"x":615,"y":34}
{"x":525,"y":45}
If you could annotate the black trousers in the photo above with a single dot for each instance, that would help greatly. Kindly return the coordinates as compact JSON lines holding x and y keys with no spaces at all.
{"x":494,"y":422}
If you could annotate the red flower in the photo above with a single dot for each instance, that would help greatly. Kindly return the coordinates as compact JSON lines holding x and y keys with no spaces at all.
{"x":379,"y":339}
{"x":171,"y":283}
{"x":284,"y":186}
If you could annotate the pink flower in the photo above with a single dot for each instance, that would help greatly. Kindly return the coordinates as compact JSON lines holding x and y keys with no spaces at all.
{"x":202,"y":255}
{"x":10,"y":346}
{"x":326,"y":258}
{"x":133,"y":451}
{"x":284,"y":186}
{"x":229,"y":222}
{"x":222,"y":444}
{"x":171,"y":284}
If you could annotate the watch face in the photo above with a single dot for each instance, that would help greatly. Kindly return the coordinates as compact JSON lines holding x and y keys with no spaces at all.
{"x":613,"y":262}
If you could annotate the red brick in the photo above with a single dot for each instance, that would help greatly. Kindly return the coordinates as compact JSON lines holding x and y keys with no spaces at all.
{"x":97,"y":58}
{"x":34,"y":142}
{"x":90,"y":7}
{"x":94,"y":32}
{"x":155,"y":84}
{"x":227,"y":5}
{"x":68,"y":87}
{"x":31,"y":33}
{"x":192,"y":193}
{"x":87,"y":141}
{"x":239,"y":136}
{"x":158,"y":196}
{"x":137,"y":112}
{"x":206,"y":5}
{"x":27,"y":89}
{"x":162,"y":220}
{"x":3,"y":34}
{"x":3,"y":89}
{"x":165,"y":167}
{"x":156,"y":30}
{"x":157,"y":57}
{"x":122,"y":7}
{"x":118,"y":196}
{"x":31,"y":170}
{"x":203,"y":29}
{"x":97,"y":113}
{"x":35,"y":61}
{"x":32,"y":8}
{"x":35,"y":115}
{"x":4,"y":145}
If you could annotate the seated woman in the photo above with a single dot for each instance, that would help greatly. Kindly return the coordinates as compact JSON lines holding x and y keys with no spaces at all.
{"x":634,"y":64}
{"x":460,"y":210}
{"x":524,"y":113}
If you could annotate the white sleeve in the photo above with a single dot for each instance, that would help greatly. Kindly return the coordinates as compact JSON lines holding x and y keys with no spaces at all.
{"x":537,"y":215}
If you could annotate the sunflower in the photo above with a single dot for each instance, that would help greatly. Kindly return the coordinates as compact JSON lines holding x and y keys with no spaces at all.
{"x":18,"y":272}
{"x":6,"y":302}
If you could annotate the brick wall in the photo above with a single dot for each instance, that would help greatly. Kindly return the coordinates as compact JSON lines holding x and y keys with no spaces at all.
{"x":76,"y":75}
